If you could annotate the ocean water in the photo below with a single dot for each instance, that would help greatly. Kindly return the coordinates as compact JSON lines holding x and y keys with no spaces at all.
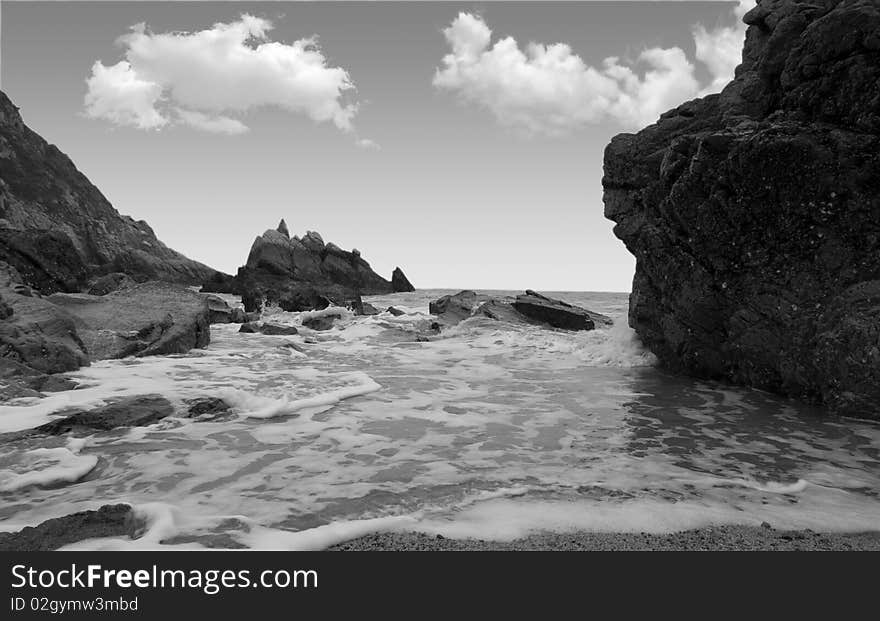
{"x":491,"y":430}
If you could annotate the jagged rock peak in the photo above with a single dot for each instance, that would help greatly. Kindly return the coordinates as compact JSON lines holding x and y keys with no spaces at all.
{"x":400,"y":283}
{"x":282,"y":228}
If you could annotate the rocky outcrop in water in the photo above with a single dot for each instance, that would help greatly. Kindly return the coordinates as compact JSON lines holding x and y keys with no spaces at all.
{"x":754,"y":215}
{"x":304,"y":273}
{"x":138,"y":411}
{"x":529,"y":307}
{"x":57,"y":229}
{"x":399,"y":282}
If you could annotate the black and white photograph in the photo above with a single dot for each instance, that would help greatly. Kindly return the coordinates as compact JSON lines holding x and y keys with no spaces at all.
{"x":439,"y":276}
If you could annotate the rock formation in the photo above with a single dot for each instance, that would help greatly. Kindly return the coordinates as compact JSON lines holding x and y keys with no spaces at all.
{"x":304,"y":273}
{"x":754,"y":215}
{"x":399,"y":282}
{"x":529,"y":307}
{"x":108,"y":521}
{"x":57,"y":229}
{"x":150,"y":318}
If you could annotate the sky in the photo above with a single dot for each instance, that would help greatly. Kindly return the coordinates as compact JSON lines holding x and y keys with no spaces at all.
{"x":462,"y":141}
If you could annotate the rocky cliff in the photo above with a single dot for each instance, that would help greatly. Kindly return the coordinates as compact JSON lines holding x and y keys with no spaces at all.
{"x":306,"y":273}
{"x":57,"y":229}
{"x":754,"y":215}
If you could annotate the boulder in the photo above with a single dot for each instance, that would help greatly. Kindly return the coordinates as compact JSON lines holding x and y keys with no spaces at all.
{"x":753,"y":214}
{"x":556,"y":313}
{"x":249,"y":328}
{"x":399,"y":282}
{"x":37,"y":334}
{"x":456,"y":307}
{"x":208,"y":408}
{"x":275,"y":329}
{"x":322,"y":322}
{"x":150,"y":318}
{"x":395,"y":311}
{"x":218,"y":310}
{"x":59,"y":231}
{"x":108,"y":521}
{"x":138,"y":411}
{"x":109,"y":283}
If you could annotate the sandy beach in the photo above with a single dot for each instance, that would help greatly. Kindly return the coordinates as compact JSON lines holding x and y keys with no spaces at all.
{"x":729,"y":538}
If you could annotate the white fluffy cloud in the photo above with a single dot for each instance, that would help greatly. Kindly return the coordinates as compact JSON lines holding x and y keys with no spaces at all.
{"x":201,"y":78}
{"x":550,"y":89}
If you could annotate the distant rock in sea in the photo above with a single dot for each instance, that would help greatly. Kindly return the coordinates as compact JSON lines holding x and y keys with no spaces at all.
{"x":400,"y":283}
{"x":305,"y":273}
{"x":57,"y":229}
{"x":529,"y":307}
{"x":754,"y":215}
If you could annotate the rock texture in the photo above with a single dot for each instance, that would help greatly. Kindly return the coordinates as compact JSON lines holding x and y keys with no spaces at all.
{"x":556,"y":313}
{"x":301,"y":274}
{"x":138,"y":411}
{"x":754,"y":215}
{"x":108,"y":521}
{"x":529,"y":307}
{"x":58,"y":230}
{"x":36,"y":336}
{"x":151,"y":318}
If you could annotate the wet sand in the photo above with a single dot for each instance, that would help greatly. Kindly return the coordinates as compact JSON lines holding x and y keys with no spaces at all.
{"x":712,"y":538}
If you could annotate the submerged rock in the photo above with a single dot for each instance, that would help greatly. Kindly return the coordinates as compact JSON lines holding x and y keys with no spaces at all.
{"x":108,"y":521}
{"x":148,"y":319}
{"x":753,"y":214}
{"x":138,"y":411}
{"x":322,"y":322}
{"x":395,"y":311}
{"x":208,"y":408}
{"x":275,"y":329}
{"x":271,"y":329}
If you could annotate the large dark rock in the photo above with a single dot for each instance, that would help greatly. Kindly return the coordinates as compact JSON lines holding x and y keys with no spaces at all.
{"x":108,"y":521}
{"x":399,"y":282}
{"x":36,"y":335}
{"x":456,"y":307}
{"x":530,"y":307}
{"x":557,"y":313}
{"x":136,"y":411}
{"x":754,"y":215}
{"x":300,"y":274}
{"x":151,"y":318}
{"x":59,"y":231}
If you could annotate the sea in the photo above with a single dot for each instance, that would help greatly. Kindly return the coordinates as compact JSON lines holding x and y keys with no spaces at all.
{"x":489,"y":430}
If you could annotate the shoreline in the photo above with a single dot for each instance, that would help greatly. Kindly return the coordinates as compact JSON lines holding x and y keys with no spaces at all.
{"x":711,"y":538}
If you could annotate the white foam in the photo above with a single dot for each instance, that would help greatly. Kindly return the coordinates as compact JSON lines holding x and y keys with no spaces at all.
{"x":48,"y":466}
{"x":256,"y":406}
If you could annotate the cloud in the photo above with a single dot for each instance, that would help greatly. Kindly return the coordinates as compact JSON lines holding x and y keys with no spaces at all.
{"x":201,"y":78}
{"x":721,"y":49}
{"x":549,"y":89}
{"x":366,"y":143}
{"x":215,"y":124}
